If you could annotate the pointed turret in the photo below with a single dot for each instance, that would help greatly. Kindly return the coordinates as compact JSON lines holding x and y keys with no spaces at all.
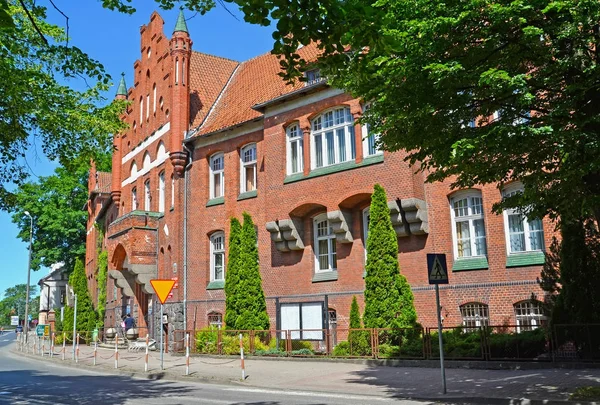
{"x":181,"y":25}
{"x":122,"y":89}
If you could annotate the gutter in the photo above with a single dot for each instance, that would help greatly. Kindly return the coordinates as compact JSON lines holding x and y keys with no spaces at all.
{"x":185,"y":236}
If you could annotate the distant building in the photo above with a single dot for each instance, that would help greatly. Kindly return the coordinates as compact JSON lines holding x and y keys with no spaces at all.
{"x":52,"y":293}
{"x":210,"y":138}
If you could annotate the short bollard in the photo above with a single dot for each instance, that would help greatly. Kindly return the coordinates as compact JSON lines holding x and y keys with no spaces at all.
{"x":187,"y":354}
{"x":77,"y":349}
{"x":52,"y":345}
{"x":43,"y":345}
{"x":117,"y":351}
{"x":146,"y":359}
{"x":64,"y":350}
{"x":95,"y":350}
{"x":242,"y":358}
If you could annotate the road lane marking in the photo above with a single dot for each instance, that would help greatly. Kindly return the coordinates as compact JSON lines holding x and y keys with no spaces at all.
{"x":312,"y":394}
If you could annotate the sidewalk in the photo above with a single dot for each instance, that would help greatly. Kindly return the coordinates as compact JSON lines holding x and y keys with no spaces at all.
{"x":546,"y":386}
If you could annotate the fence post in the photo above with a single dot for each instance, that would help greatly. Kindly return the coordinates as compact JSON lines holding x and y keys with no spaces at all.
{"x":43,"y":345}
{"x":187,"y":354}
{"x":146,"y":359}
{"x":95,"y":350}
{"x":242,"y":357}
{"x":52,"y":345}
{"x":117,"y":351}
{"x":77,"y":349}
{"x":64,"y":345}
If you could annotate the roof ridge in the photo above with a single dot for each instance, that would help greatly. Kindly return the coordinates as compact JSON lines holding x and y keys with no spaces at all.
{"x":216,"y":56}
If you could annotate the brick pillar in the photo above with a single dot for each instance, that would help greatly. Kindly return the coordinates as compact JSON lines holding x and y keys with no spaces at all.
{"x":304,"y":125}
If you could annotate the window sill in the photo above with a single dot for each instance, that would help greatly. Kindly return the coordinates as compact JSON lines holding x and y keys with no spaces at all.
{"x":470,"y":263}
{"x":215,"y":201}
{"x":172,"y":208}
{"x":247,"y":194}
{"x":525,"y":259}
{"x":216,"y":285}
{"x":340,"y":167}
{"x":325,"y":276}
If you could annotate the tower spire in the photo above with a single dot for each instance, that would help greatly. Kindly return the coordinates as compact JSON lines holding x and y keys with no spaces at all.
{"x":122,"y":89}
{"x":181,"y":25}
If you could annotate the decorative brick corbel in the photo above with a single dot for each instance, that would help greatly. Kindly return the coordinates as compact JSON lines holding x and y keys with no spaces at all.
{"x":415,"y":212}
{"x":396,"y":216}
{"x":286,"y":234}
{"x":339,"y":220}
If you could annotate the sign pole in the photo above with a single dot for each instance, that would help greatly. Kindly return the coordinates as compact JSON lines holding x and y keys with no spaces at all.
{"x":74,"y":325}
{"x":439,"y":319}
{"x":162,"y":349}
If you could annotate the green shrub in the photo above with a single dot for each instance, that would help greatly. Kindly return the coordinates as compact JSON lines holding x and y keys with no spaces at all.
{"x":360,"y":343}
{"x":458,"y":343}
{"x":413,"y":346}
{"x":58,"y":340}
{"x":302,"y":352}
{"x":230,"y":344}
{"x":528,"y":344}
{"x":388,"y":351}
{"x":342,"y":349}
{"x":269,"y":352}
{"x":206,"y":340}
{"x":302,"y":344}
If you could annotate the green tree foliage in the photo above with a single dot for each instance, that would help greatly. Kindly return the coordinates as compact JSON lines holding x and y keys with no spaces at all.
{"x":359,"y":340}
{"x":36,"y":107}
{"x":355,"y":322}
{"x":246,"y":297}
{"x":102,"y":273}
{"x":388,"y":297}
{"x":429,"y":69}
{"x":573,"y":271}
{"x":13,"y":303}
{"x":86,"y":316}
{"x":232,"y":276}
{"x":55,"y":202}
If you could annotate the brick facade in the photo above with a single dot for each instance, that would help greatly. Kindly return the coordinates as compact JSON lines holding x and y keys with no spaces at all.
{"x":214,"y":105}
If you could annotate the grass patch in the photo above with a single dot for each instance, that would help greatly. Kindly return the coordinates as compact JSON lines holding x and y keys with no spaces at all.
{"x":586,"y":393}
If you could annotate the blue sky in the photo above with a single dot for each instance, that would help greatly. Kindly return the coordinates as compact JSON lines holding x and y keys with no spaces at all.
{"x":113,"y":39}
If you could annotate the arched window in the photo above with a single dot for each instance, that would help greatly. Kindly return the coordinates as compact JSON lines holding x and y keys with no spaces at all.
{"x":248,"y":167}
{"x":215,"y":320}
{"x":147,"y":106}
{"x":217,"y":256}
{"x":332,"y":139}
{"x":469,"y":228}
{"x":295,"y":150}
{"x":141,"y":110}
{"x":154,"y":98}
{"x":147,"y":161}
{"x":475,"y":315}
{"x":530,"y":315}
{"x":324,"y":245}
{"x":134,"y":204}
{"x":522,"y":234}
{"x":161,"y":151}
{"x":161,"y":192}
{"x":133,"y":170}
{"x":147,"y":195}
{"x":183,"y":71}
{"x":217,"y":175}
{"x":176,"y":70}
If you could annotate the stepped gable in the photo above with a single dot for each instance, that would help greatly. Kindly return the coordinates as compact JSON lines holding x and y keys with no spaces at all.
{"x":208,"y":76}
{"x":255,"y":81}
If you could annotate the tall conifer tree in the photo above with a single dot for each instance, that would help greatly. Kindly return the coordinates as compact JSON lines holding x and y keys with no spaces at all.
{"x":388,"y":298}
{"x":232,"y":277}
{"x":86,"y":316}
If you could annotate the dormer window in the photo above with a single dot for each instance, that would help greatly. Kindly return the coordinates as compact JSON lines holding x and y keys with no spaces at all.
{"x":313,"y":76}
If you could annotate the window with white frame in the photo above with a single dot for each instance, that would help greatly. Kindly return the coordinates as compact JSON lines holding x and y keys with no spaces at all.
{"x":161,"y":192}
{"x":217,"y":257}
{"x":469,"y":228}
{"x":530,"y":315}
{"x":522,"y":234}
{"x":133,"y":170}
{"x":313,"y":76}
{"x":295,"y":149}
{"x":147,"y":195}
{"x":147,"y":106}
{"x":475,"y":315}
{"x":134,"y":203}
{"x":248,"y":166}
{"x":141,"y":110}
{"x":370,"y":147}
{"x":215,"y":320}
{"x":172,"y":191}
{"x":147,"y":161}
{"x":332,"y":139}
{"x":154,"y":99}
{"x":161,"y":150}
{"x":217,"y":180}
{"x":325,"y":247}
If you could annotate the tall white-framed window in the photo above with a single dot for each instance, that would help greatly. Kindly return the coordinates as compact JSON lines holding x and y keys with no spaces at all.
{"x":295,"y":149}
{"x":217,"y":256}
{"x":217,"y":175}
{"x":133,"y":170}
{"x":147,"y":195}
{"x":366,"y":219}
{"x":134,"y":203}
{"x":183,"y":71}
{"x":147,"y":106}
{"x":530,"y":315}
{"x":324,"y":245}
{"x":172,"y":191}
{"x":248,"y":167}
{"x":141,"y":110}
{"x":147,"y":161}
{"x":160,"y":151}
{"x":522,"y":234}
{"x":176,"y":70}
{"x":370,"y":147}
{"x":154,"y":99}
{"x":468,"y":228}
{"x":161,"y":192}
{"x":475,"y":315}
{"x":332,"y":138}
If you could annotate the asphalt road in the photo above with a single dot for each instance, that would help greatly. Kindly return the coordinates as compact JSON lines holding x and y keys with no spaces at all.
{"x":27,"y":381}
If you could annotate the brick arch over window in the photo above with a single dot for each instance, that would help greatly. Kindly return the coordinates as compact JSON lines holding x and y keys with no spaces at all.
{"x":356,"y":200}
{"x":118,"y":257}
{"x":307,"y":209}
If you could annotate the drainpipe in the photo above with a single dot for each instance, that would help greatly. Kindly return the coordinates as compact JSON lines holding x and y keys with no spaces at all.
{"x":186,"y":178}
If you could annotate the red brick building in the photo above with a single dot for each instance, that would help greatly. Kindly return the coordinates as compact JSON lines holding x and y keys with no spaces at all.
{"x":210,"y":138}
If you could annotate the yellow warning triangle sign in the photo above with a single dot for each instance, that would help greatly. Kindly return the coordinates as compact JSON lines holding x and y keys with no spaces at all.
{"x":437,"y":270}
{"x":162,"y":288}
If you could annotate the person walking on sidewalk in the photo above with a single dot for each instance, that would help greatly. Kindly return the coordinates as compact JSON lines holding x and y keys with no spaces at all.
{"x":129,"y":322}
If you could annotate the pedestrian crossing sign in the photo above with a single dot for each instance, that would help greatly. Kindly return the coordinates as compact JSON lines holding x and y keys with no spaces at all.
{"x":437,"y":269}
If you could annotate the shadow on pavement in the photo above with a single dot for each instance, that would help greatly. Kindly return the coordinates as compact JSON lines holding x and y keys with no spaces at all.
{"x":40,"y":387}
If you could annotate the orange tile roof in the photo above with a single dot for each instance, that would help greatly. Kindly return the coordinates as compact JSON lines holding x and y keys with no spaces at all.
{"x":208,"y":76}
{"x":254,"y":82}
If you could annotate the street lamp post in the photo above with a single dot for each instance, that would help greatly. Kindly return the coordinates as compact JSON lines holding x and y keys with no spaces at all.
{"x":26,"y":322}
